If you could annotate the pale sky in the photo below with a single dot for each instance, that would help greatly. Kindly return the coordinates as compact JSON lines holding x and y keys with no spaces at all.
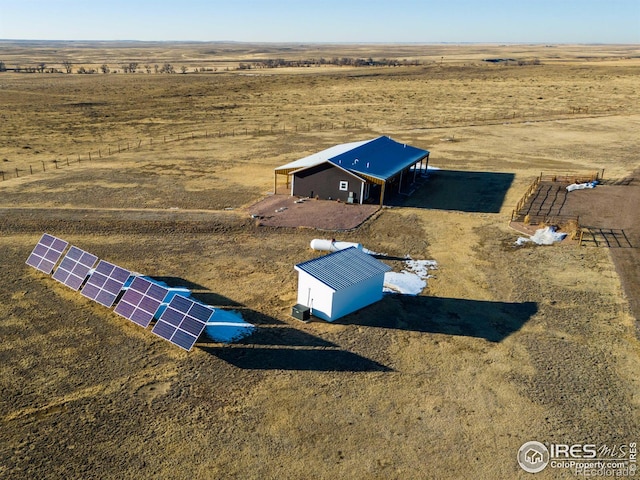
{"x":325,"y":21}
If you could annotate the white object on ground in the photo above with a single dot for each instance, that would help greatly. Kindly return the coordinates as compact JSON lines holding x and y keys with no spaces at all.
{"x":581,"y":186}
{"x":543,"y":236}
{"x":332,"y":245}
{"x":411,"y":281}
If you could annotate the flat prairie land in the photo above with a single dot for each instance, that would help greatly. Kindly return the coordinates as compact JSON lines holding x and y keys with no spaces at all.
{"x":157,"y":172}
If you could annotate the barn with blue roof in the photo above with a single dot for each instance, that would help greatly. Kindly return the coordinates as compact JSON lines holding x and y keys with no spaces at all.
{"x":340,"y":283}
{"x":356,"y":172}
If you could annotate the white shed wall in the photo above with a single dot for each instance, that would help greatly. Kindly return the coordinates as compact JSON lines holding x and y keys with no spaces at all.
{"x":348,"y":300}
{"x":316,"y":295}
{"x":330,"y":305}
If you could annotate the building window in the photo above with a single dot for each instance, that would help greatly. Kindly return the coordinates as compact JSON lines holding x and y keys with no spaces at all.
{"x":344,"y":185}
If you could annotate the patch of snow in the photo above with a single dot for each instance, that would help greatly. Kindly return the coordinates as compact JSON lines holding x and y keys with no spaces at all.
{"x":404,"y":282}
{"x":543,"y":236}
{"x":227,"y":326}
{"x":371,"y":252}
{"x":412,"y":280}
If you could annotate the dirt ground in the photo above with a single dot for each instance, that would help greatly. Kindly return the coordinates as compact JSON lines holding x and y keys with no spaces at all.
{"x":611,"y":210}
{"x":506,"y":344}
{"x":287,"y":211}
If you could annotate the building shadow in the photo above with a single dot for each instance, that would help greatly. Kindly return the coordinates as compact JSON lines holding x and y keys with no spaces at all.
{"x":456,"y":190}
{"x":320,"y":360}
{"x":273,"y":345}
{"x":284,"y":336}
{"x":493,"y":321}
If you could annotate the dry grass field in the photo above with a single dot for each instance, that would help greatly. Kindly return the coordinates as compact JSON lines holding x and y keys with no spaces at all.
{"x":506,"y":344}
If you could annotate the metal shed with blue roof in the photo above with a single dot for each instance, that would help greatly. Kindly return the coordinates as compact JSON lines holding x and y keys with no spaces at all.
{"x":355,"y":172}
{"x":340,"y":283}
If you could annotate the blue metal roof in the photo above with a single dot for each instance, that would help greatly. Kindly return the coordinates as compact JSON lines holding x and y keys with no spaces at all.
{"x":343,"y":268}
{"x":380,"y":158}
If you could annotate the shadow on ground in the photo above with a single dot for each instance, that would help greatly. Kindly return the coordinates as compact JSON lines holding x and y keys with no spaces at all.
{"x":321,"y":360}
{"x":478,"y":192}
{"x":493,"y":321}
{"x":276,"y":346}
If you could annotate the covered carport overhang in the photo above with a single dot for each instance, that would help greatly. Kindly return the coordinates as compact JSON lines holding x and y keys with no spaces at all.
{"x":423,"y":163}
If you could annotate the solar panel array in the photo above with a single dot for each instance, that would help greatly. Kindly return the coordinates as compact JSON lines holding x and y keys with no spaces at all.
{"x":141,"y":301}
{"x":182,"y":322}
{"x":46,"y":253}
{"x":105,"y":283}
{"x":75,"y":267}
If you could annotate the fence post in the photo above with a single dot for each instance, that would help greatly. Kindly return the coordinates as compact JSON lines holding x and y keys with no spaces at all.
{"x":89,"y":156}
{"x":44,"y":169}
{"x":17,"y":175}
{"x":2,"y":173}
{"x":31,"y":169}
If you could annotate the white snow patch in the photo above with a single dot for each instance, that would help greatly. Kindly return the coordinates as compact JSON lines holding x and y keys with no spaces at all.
{"x":543,"y":236}
{"x":412,"y":280}
{"x":227,"y":326}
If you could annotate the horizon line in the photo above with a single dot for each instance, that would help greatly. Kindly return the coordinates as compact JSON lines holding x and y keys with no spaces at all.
{"x":311,"y":42}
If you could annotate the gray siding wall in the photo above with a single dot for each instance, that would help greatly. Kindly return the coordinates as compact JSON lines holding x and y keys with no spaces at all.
{"x":324,"y":181}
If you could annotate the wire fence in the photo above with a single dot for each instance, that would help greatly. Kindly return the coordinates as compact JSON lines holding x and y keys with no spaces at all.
{"x":443,"y":122}
{"x":116,"y":148}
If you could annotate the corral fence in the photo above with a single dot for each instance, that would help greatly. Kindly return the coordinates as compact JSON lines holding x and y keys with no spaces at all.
{"x":521,"y":209}
{"x":544,"y":199}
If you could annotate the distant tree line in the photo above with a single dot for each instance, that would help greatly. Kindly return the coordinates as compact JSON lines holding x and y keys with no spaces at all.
{"x":339,"y":61}
{"x":134,"y":67}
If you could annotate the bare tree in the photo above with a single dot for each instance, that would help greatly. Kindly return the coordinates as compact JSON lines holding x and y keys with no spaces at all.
{"x":148,"y":68}
{"x":67,"y":66}
{"x":105,"y":68}
{"x":183,"y":69}
{"x":167,"y":68}
{"x":133,"y":66}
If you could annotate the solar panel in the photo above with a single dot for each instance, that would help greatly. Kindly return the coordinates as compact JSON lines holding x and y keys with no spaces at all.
{"x":46,"y":253}
{"x":182,"y":322}
{"x":141,"y":301}
{"x":105,"y":283}
{"x":75,"y":267}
